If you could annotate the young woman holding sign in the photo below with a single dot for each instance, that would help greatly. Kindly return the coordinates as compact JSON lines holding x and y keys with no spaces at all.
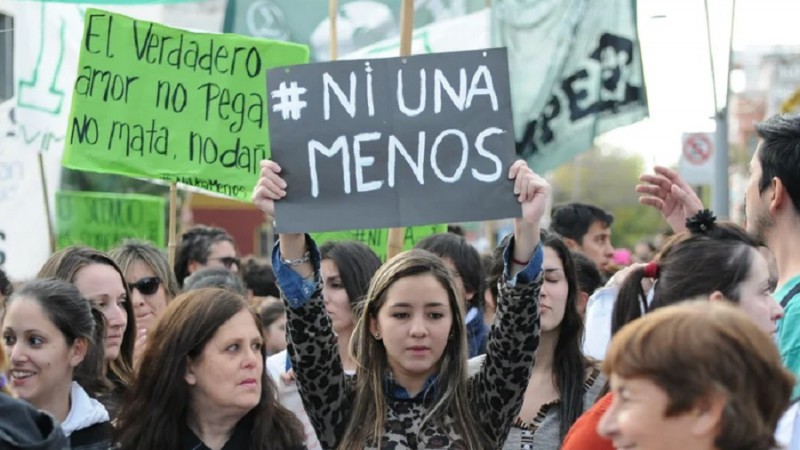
{"x":411,"y":388}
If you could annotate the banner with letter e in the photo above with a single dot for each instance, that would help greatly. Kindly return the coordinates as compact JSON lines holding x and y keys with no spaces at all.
{"x":102,"y":220}
{"x":393,"y":142}
{"x":156,"y":102}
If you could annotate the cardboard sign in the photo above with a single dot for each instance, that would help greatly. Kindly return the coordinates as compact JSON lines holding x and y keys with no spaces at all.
{"x":377,"y":239}
{"x":102,"y":220}
{"x":393,"y":142}
{"x":157,"y":102}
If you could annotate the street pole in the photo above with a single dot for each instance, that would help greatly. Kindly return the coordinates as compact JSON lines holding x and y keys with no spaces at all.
{"x":720,"y":200}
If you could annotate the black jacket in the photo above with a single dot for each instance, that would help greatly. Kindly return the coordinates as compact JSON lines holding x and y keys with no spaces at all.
{"x":95,"y":437}
{"x":22,"y":427}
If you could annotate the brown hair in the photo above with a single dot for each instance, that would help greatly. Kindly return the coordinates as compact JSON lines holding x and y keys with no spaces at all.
{"x":157,"y":405}
{"x":693,"y":349}
{"x":369,"y":403}
{"x":65,"y":265}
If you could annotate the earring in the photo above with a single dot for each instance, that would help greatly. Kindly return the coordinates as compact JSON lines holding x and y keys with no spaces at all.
{"x":377,"y":336}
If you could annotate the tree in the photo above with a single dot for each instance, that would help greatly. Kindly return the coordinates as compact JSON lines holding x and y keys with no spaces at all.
{"x":606,"y":178}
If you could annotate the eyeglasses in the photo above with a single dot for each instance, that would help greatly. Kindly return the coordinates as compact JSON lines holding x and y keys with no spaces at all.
{"x":228,"y":261}
{"x":147,"y":286}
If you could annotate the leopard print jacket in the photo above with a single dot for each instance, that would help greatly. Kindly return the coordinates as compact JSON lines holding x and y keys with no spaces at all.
{"x":496,"y":391}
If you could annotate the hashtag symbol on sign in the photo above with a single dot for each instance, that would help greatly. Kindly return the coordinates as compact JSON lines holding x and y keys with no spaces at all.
{"x":359,"y":235}
{"x":289,"y":103}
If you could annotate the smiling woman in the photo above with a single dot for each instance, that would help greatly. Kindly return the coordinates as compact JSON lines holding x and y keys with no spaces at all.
{"x":202,"y":383}
{"x":101,"y":281}
{"x":700,"y":375}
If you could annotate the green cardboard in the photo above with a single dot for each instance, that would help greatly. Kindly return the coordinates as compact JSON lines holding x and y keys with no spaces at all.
{"x":377,"y":238}
{"x":101,"y":220}
{"x":162,"y":103}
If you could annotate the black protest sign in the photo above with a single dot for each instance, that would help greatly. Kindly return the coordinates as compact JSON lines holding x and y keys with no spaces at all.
{"x":393,"y":142}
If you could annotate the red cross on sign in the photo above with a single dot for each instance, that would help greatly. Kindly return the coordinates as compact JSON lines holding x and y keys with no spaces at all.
{"x":697,"y":148}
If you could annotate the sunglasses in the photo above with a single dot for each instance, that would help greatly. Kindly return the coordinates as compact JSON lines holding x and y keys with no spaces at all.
{"x":147,"y":286}
{"x":228,"y":261}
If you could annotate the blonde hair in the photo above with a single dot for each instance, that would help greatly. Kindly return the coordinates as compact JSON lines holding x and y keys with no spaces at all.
{"x":451,"y":395}
{"x":694,"y":349}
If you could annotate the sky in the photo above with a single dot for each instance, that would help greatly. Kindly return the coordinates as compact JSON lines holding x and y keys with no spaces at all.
{"x":677,"y":67}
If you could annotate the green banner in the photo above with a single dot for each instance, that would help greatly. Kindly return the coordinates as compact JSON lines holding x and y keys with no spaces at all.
{"x":359,"y":23}
{"x":157,"y":102}
{"x":376,"y":238}
{"x":101,"y":220}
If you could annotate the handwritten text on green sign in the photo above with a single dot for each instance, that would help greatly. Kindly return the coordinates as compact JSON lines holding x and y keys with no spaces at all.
{"x":158,"y":102}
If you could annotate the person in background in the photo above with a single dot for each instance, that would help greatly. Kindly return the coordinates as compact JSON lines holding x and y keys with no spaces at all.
{"x":700,"y":375}
{"x":713,"y":261}
{"x":50,"y":332}
{"x":589,"y":279}
{"x":563,"y":383}
{"x":346,"y":268}
{"x":204,"y":246}
{"x":218,"y":277}
{"x":151,"y":281}
{"x":772,"y":208}
{"x":259,"y":280}
{"x":465,"y":262}
{"x":644,"y":251}
{"x":101,"y":281}
{"x":202,"y":383}
{"x":273,"y":321}
{"x":586,"y":229}
{"x":490,"y":292}
{"x":6,"y":289}
{"x":411,"y":388}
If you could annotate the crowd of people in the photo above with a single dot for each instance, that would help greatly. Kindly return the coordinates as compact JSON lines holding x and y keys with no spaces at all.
{"x":541,"y":344}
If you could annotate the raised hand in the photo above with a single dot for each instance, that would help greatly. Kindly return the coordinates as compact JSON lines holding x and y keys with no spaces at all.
{"x":270,"y":187}
{"x":532,"y":192}
{"x":671,"y":195}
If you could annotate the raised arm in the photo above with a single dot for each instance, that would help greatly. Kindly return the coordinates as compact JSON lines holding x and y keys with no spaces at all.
{"x":667,"y":192}
{"x":497,"y":390}
{"x":310,"y":340}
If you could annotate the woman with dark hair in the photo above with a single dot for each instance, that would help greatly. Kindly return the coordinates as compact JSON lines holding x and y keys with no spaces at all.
{"x":202,"y":383}
{"x":716,"y":261}
{"x":51,"y":334}
{"x":273,"y":319}
{"x":346,"y":269}
{"x":411,"y":388}
{"x":564,"y":382}
{"x":101,"y":281}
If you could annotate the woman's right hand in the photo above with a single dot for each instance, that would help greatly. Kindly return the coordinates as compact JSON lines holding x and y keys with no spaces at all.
{"x":270,"y":187}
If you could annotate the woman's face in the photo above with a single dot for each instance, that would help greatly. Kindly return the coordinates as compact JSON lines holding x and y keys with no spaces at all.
{"x":226,"y":377}
{"x":636,"y":419}
{"x":102,"y":285}
{"x":41,"y":361}
{"x":337,"y":302}
{"x":147,"y":294}
{"x":554,"y":293}
{"x":275,"y":336}
{"x":754,"y":295}
{"x":414,"y":324}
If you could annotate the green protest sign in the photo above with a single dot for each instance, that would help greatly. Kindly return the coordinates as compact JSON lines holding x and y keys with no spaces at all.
{"x":158,"y":102}
{"x":376,"y":238}
{"x":101,"y":220}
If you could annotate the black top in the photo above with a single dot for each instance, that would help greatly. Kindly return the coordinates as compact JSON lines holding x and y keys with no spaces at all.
{"x":95,"y":437}
{"x":23,"y":427}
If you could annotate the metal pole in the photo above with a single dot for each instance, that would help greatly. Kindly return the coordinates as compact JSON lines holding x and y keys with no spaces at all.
{"x":720,"y":200}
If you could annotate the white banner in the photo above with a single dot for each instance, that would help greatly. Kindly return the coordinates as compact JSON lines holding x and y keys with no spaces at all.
{"x":47,"y":38}
{"x":576,"y":72}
